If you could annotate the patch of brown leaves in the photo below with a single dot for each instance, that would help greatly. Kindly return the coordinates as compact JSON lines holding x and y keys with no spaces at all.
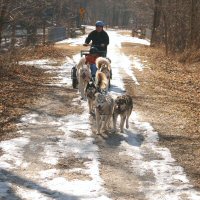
{"x":19,"y":86}
{"x":41,"y":52}
{"x":22,"y":85}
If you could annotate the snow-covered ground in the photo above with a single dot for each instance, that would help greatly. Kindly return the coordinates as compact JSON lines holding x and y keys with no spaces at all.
{"x":50,"y":182}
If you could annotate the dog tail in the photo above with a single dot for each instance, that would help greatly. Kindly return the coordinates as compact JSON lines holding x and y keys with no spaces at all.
{"x":101,"y":80}
{"x":101,"y":61}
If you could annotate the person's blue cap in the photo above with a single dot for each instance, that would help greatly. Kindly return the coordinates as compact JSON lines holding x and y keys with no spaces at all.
{"x":99,"y":23}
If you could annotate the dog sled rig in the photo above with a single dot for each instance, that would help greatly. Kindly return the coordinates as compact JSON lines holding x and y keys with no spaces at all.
{"x":93,"y":50}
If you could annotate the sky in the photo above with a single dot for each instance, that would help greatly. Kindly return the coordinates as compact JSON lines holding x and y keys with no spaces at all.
{"x":43,"y":180}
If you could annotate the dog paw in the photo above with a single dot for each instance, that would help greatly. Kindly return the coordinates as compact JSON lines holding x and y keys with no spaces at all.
{"x":92,"y":114}
{"x":83,"y":99}
{"x":113,"y":130}
{"x":98,"y":133}
{"x":104,"y":135}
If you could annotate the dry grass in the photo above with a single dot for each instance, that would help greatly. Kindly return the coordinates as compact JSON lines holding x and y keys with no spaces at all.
{"x":57,"y":51}
{"x":72,"y":50}
{"x":168,"y":97}
{"x":192,"y":56}
{"x":51,"y":51}
{"x":125,"y":32}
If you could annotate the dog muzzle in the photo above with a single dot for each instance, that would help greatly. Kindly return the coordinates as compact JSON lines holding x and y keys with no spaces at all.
{"x":90,"y":94}
{"x":99,"y":108}
{"x":83,"y":75}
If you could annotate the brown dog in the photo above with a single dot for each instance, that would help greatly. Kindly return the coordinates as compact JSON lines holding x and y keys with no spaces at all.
{"x":104,"y":65}
{"x":101,"y":82}
{"x":100,"y":61}
{"x":123,"y":106}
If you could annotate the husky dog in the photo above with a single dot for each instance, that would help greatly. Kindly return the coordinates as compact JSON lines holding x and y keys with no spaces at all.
{"x":101,"y":82}
{"x":104,"y":105}
{"x":123,"y":106}
{"x":103,"y":65}
{"x":84,"y":76}
{"x":90,"y":92}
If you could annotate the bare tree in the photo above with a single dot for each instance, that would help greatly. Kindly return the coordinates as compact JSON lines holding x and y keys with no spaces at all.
{"x":178,"y":24}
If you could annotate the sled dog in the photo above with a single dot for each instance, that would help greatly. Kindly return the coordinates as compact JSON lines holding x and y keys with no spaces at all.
{"x":90,"y":92}
{"x":104,"y":105}
{"x":100,"y":61}
{"x":101,"y":82}
{"x":83,"y":75}
{"x":104,"y":65}
{"x":123,"y":106}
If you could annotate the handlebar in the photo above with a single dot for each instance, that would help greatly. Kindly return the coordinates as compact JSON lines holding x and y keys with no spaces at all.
{"x":86,"y":44}
{"x":100,"y":49}
{"x":92,"y":45}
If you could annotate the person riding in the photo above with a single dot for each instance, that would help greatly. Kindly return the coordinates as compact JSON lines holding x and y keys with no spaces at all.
{"x":99,"y":38}
{"x":91,"y":60}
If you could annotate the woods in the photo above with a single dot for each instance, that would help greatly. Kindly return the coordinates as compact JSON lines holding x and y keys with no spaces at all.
{"x":22,"y":20}
{"x":175,"y":24}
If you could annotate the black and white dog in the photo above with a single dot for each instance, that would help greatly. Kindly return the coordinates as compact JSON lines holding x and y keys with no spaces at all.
{"x":90,"y":92}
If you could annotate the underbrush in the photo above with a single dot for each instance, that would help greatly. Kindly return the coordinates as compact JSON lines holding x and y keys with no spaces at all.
{"x":190,"y":57}
{"x":20,"y":85}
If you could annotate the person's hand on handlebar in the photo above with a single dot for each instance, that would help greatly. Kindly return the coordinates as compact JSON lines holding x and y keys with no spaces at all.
{"x":85,"y":44}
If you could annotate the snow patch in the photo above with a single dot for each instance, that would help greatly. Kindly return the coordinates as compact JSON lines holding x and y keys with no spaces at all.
{"x":13,"y":153}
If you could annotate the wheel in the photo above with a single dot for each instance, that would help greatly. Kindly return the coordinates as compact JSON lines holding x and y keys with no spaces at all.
{"x":74,"y":77}
{"x":74,"y":83}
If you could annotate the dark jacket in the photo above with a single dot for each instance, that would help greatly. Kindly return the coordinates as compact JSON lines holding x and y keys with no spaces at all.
{"x":97,"y":39}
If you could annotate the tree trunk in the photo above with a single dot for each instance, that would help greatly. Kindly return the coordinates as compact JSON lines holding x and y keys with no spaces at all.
{"x":156,"y":20}
{"x":13,"y":36}
{"x":44,"y":32}
{"x":193,"y":22}
{"x":166,"y":33}
{"x":31,"y":35}
{"x":1,"y":30}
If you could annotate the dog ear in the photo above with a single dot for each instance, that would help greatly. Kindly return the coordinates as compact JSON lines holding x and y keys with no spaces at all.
{"x":108,"y":60}
{"x":81,"y":62}
{"x":97,"y":93}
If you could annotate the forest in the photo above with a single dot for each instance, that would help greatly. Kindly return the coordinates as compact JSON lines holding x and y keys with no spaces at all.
{"x":174,"y":24}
